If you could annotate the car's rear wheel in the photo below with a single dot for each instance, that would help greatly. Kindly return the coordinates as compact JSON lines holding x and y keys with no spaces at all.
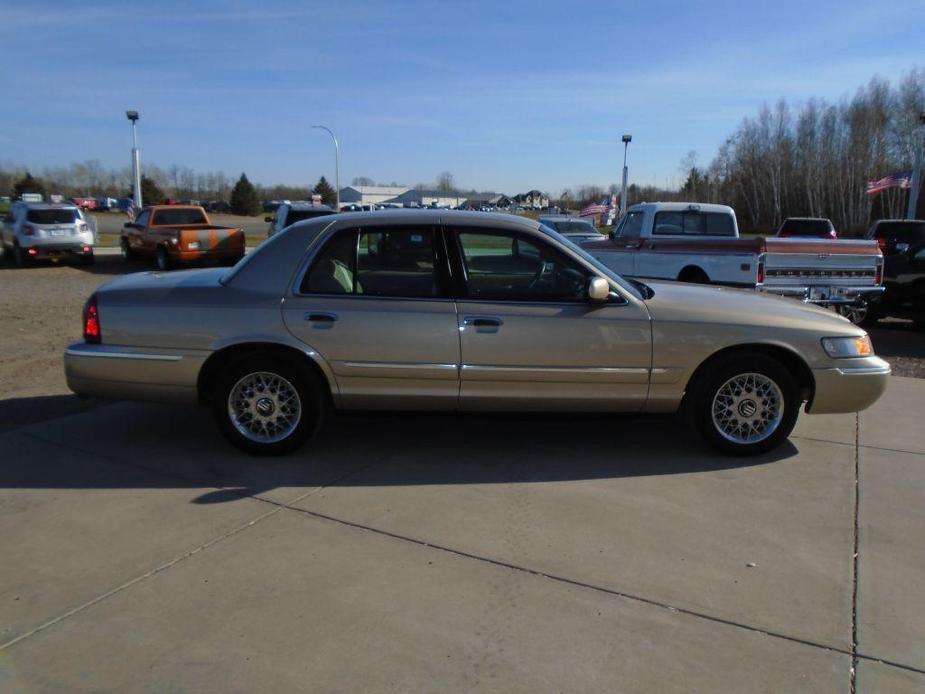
{"x":861,"y":313}
{"x":162,"y":259}
{"x":746,"y":404}
{"x":127,"y":252}
{"x":20,"y":259}
{"x":268,"y":405}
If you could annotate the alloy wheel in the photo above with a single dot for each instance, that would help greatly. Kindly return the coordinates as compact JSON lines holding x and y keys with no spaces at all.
{"x":264,"y":407}
{"x":747,"y":408}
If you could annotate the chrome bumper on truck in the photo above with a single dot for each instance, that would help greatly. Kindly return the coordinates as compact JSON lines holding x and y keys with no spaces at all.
{"x":825,"y":296}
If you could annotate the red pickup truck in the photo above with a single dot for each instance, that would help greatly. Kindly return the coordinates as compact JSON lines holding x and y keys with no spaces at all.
{"x":180,"y":234}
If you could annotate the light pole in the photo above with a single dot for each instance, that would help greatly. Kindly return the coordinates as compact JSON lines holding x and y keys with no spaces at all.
{"x":917,"y":171}
{"x":336,"y":164}
{"x":136,"y":161}
{"x":626,"y":142}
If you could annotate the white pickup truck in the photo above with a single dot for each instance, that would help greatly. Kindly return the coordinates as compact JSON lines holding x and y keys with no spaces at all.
{"x":700,"y":243}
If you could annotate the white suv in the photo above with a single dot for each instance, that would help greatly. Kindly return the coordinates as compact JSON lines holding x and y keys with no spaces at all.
{"x":36,"y":230}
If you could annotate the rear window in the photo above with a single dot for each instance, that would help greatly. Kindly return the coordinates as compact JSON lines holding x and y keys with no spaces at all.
{"x":807,"y":227}
{"x":693,"y":224}
{"x":59,"y":216}
{"x":300,"y":215}
{"x":172,"y":217}
{"x":901,"y":232}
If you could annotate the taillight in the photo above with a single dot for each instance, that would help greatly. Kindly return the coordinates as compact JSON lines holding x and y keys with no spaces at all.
{"x":760,"y":272}
{"x":882,"y":244}
{"x":28,"y":230}
{"x":878,"y":278}
{"x":92,"y":332}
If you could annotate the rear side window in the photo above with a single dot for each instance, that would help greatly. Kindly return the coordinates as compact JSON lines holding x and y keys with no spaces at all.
{"x":55,"y":216}
{"x":176,"y":217}
{"x":390,"y":261}
{"x":901,"y":232}
{"x":693,"y":224}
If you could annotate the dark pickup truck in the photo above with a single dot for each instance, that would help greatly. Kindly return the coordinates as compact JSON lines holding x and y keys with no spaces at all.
{"x":180,"y":234}
{"x":903,"y":244}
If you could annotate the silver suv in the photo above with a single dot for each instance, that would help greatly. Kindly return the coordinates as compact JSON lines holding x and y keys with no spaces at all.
{"x":289,"y":213}
{"x":38,"y":230}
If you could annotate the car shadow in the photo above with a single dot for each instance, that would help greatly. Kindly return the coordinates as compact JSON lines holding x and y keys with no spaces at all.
{"x":145,"y":445}
{"x":897,"y":338}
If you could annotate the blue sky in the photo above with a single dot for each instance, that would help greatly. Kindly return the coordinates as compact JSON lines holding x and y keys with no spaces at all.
{"x":506,"y":95}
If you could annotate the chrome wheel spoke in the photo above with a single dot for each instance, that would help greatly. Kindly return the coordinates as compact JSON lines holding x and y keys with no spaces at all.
{"x":264,"y":407}
{"x":747,"y":408}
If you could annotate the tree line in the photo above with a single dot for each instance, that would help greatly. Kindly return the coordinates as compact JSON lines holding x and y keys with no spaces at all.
{"x":815,"y":160}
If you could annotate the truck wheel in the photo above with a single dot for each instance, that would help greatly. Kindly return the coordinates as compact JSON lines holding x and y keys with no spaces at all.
{"x":746,"y":404}
{"x":267,"y":405}
{"x":162,"y":259}
{"x":127,"y":252}
{"x":694,"y":275}
{"x":859,"y":314}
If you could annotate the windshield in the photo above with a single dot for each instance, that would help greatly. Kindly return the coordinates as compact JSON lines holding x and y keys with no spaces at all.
{"x":807,"y":227}
{"x":181,"y":216}
{"x":66,"y":215}
{"x":575,"y":228}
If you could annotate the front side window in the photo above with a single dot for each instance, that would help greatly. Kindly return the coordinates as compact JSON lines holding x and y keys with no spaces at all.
{"x":631,"y":228}
{"x":142,"y":219}
{"x":392,"y":261}
{"x":509,"y":266}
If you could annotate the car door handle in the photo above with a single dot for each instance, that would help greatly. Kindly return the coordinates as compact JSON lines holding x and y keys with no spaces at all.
{"x":483,"y":321}
{"x":321,"y":317}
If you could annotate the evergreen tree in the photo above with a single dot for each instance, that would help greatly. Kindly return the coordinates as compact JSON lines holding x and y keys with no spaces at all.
{"x":28,"y":184}
{"x":151,"y":194}
{"x":327,"y":193}
{"x":244,"y":200}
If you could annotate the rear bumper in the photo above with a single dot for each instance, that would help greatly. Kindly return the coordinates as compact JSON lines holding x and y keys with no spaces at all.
{"x":129,"y":373}
{"x":57,"y":250}
{"x":849,"y":388}
{"x":833,"y":296}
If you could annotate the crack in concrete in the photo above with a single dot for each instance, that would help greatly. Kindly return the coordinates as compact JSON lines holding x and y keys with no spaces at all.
{"x":856,"y":557}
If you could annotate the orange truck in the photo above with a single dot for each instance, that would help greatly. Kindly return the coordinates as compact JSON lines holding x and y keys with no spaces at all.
{"x":178,"y":235}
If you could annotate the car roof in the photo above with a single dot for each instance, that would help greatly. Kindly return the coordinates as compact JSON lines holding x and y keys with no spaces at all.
{"x":900,"y":221}
{"x":307,"y":206}
{"x":682,"y":206}
{"x":424,"y":214}
{"x":563,"y":218}
{"x":48,"y":205}
{"x":808,"y":219}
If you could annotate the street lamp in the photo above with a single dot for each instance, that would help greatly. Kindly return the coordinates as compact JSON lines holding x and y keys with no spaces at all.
{"x":626,"y":141}
{"x":336,"y":164}
{"x":917,"y":170}
{"x":136,"y":161}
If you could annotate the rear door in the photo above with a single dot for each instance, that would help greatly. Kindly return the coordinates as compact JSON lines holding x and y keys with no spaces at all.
{"x":530,"y":340}
{"x":374,"y":303}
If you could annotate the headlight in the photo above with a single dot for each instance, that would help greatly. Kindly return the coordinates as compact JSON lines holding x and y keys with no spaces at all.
{"x":193,"y":245}
{"x":847,"y":347}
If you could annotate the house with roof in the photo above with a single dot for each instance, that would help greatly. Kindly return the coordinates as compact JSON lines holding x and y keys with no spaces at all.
{"x":428,"y":198}
{"x":533,"y":199}
{"x":479,"y":200}
{"x":369,"y":195}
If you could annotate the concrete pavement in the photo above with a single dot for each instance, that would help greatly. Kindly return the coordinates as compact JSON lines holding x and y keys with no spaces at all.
{"x":141,"y":553}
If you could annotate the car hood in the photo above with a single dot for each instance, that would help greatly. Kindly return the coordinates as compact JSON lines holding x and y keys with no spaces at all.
{"x":685,"y":302}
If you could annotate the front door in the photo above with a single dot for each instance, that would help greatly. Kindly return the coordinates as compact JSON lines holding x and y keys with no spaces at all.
{"x":530,"y":339}
{"x":374,"y":305}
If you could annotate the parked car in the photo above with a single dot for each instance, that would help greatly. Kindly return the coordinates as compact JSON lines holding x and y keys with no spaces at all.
{"x":180,"y":234}
{"x":461,"y":311}
{"x":697,"y":243}
{"x":903,"y":245}
{"x":807,"y":227}
{"x":46,"y":231}
{"x":572,"y":228}
{"x":292,"y":212}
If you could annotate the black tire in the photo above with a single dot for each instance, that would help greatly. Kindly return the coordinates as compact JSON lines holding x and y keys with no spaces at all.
{"x":127,"y":252}
{"x":162,"y":259}
{"x":87,"y":259}
{"x":722,"y":372}
{"x":863,"y":314}
{"x":312,"y":402}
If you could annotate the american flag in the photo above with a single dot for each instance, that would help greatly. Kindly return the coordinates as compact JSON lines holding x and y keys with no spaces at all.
{"x":900,"y":179}
{"x":602,"y":207}
{"x":130,"y":212}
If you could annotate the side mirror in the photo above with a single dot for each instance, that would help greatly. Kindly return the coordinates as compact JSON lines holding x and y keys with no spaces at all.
{"x":598,"y":289}
{"x":902,"y":247}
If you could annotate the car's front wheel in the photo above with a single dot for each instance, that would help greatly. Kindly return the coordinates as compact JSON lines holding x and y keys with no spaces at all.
{"x":162,"y":259}
{"x":268,"y":405}
{"x":746,"y":404}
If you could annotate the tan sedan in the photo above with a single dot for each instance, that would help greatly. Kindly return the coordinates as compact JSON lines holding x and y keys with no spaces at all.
{"x":438,"y":310}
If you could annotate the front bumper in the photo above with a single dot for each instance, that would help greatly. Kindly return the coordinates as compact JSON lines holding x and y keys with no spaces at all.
{"x":851,"y":387}
{"x":825,"y":296}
